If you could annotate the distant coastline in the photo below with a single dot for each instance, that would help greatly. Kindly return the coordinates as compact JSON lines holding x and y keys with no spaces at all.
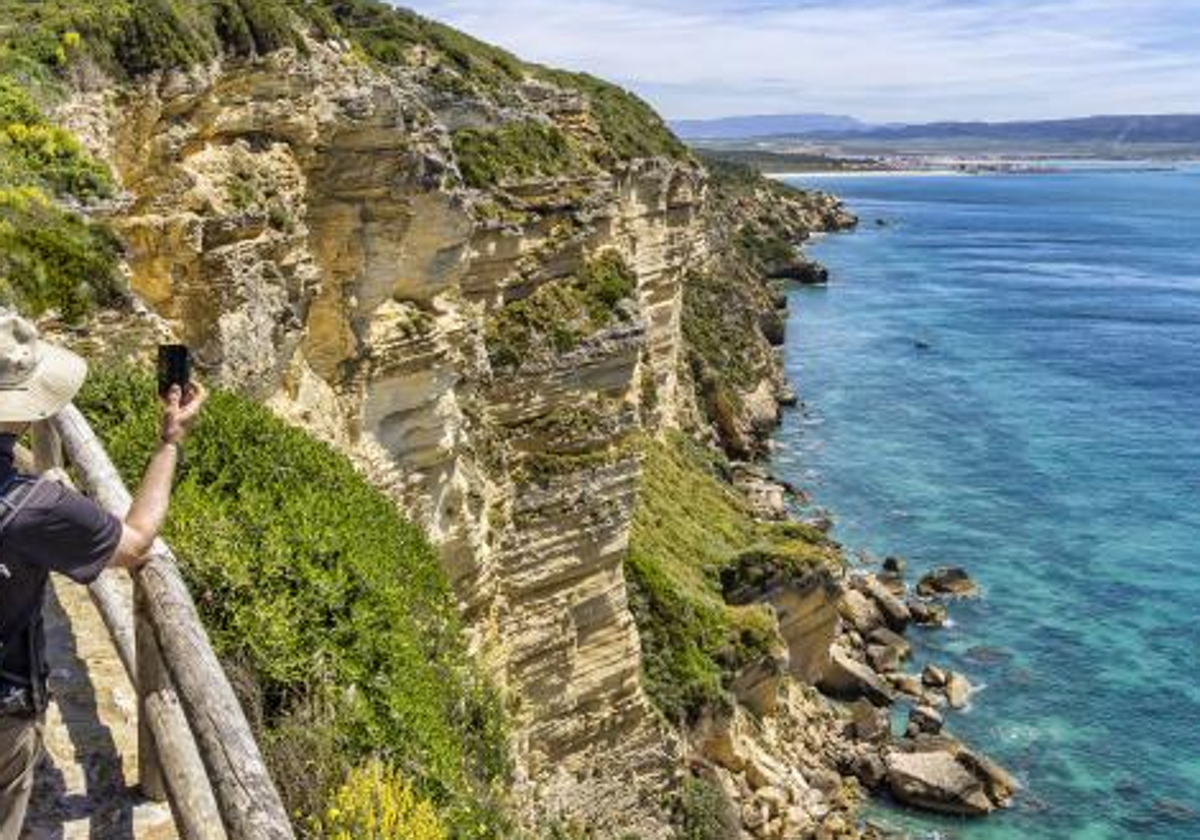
{"x":784,"y":164}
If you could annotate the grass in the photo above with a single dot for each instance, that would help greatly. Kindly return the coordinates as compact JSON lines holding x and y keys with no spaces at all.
{"x":329,"y":609}
{"x":692,"y":539}
{"x":559,"y":315}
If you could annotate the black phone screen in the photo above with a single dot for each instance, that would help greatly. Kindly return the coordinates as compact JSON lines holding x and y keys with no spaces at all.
{"x":174,"y":367}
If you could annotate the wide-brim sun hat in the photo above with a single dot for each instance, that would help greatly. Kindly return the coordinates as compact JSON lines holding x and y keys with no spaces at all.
{"x":37,"y":379}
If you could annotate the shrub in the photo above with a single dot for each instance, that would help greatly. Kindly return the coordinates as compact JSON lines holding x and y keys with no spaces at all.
{"x":34,"y":152}
{"x":515,"y":152}
{"x":560,"y":314}
{"x":377,"y":803}
{"x":320,"y":596}
{"x":705,"y":813}
{"x":51,"y":258}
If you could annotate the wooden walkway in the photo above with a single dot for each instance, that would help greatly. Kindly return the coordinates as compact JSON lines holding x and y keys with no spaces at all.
{"x":86,"y":784}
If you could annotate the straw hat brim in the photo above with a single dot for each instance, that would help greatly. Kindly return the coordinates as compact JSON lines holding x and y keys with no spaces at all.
{"x":54,"y":383}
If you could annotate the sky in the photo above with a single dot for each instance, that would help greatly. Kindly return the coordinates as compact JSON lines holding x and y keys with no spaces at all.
{"x":879,"y":60}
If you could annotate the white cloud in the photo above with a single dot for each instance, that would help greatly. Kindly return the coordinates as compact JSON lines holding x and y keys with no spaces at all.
{"x":902,"y":60}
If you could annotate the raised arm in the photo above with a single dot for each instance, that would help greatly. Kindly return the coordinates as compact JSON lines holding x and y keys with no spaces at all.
{"x":149,"y":509}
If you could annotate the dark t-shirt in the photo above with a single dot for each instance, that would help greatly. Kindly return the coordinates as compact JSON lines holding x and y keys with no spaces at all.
{"x":57,"y":530}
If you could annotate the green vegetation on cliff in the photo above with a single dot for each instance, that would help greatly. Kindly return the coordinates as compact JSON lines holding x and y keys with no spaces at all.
{"x":560,"y":314}
{"x":514,"y":152}
{"x":50,"y":257}
{"x":631,"y":128}
{"x":329,"y":609}
{"x":691,"y":534}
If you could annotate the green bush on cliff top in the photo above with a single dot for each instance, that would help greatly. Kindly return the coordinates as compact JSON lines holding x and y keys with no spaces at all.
{"x":513,"y":152}
{"x":689,"y":528}
{"x":329,"y":609}
{"x":50,"y":257}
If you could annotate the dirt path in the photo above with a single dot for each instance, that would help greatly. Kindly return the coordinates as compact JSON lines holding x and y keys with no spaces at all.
{"x":86,"y":785}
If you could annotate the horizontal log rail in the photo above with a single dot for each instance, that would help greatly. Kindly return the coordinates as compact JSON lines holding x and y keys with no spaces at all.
{"x":196,"y":747}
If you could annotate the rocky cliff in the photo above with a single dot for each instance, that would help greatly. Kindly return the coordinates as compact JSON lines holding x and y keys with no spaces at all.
{"x":492,"y":284}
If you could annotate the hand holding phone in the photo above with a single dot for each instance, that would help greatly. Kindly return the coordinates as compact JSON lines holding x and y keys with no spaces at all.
{"x":174,"y":368}
{"x":181,"y":408}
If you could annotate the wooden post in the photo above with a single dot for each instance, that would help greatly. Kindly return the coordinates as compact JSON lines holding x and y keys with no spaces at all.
{"x":173,"y":762}
{"x":249,"y":803}
{"x":162,"y":726}
{"x":150,"y":679}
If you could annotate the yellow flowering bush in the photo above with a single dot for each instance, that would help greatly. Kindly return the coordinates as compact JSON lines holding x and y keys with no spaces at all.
{"x":377,"y":803}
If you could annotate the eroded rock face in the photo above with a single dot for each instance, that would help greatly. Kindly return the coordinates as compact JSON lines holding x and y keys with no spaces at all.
{"x":300,"y":222}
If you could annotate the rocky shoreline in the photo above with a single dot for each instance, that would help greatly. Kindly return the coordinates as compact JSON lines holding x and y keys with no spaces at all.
{"x":884,"y":726}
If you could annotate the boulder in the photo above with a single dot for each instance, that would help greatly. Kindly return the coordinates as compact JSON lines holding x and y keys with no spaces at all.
{"x":890,"y":638}
{"x":958,"y":690}
{"x":757,"y":685}
{"x":893,"y":583}
{"x":868,"y":722}
{"x":925,"y":614}
{"x":807,"y":612}
{"x":909,"y":684}
{"x":895,"y":565}
{"x":933,"y":676}
{"x":936,"y":781}
{"x":1000,"y":785}
{"x":848,"y":679}
{"x":947,"y":580}
{"x":894,"y":611}
{"x":883,"y":658}
{"x":923,"y":719}
{"x":868,"y":767}
{"x":860,"y":611}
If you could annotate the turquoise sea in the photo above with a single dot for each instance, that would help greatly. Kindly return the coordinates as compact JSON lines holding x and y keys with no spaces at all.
{"x":1005,"y":375}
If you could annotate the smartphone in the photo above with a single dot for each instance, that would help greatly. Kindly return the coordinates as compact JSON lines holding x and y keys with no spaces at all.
{"x":174,"y":367}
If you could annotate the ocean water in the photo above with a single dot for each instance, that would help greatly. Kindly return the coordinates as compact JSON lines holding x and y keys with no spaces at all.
{"x":1006,"y":376}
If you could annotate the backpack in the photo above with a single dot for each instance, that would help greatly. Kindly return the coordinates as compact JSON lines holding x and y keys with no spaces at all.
{"x":14,"y":494}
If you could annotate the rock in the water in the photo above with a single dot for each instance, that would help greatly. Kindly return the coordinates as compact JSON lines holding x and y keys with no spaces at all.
{"x":936,"y":781}
{"x":924,"y":719}
{"x":889,"y":638}
{"x":883,"y":658}
{"x":1000,"y":785}
{"x":848,"y":679}
{"x":909,"y":684}
{"x":926,"y":614}
{"x":895,"y":565}
{"x":947,"y":580}
{"x":894,"y":611}
{"x":893,"y":583}
{"x":933,"y":676}
{"x":958,"y":690}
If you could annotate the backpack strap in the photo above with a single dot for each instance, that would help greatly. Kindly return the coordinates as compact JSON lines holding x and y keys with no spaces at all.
{"x":14,"y":494}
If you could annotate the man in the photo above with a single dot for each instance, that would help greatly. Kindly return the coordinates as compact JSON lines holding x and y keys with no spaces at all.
{"x":45,"y":528}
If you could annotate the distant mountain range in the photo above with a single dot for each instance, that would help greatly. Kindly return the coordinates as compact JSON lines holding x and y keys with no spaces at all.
{"x":1118,"y":129}
{"x":766,"y":125}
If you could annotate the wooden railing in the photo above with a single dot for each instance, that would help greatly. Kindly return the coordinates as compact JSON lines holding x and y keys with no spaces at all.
{"x":196,"y":750}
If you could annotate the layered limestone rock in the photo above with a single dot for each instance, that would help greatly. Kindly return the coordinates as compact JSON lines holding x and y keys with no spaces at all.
{"x":300,"y":222}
